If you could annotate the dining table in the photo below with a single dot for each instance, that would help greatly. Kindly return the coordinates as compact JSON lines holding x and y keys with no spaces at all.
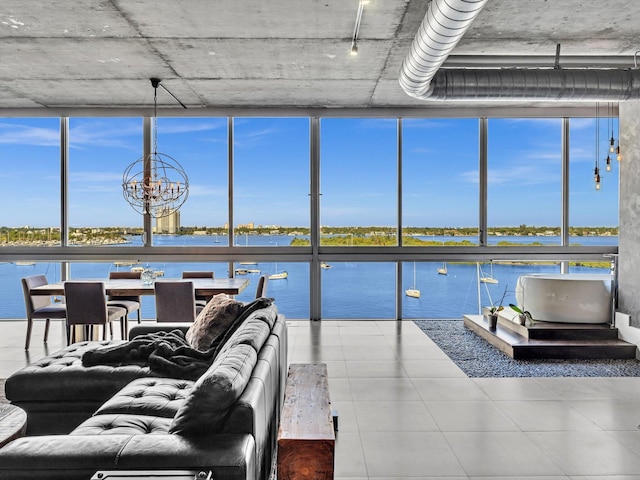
{"x":134,"y":287}
{"x":130,"y":287}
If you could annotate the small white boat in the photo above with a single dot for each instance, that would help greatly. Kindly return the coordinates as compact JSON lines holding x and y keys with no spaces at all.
{"x":137,"y":269}
{"x":24,"y":263}
{"x":277,"y":276}
{"x":443,"y":269}
{"x":324,"y":265}
{"x":412,"y":292}
{"x":488,"y":278}
{"x":253,"y":270}
{"x":241,"y":271}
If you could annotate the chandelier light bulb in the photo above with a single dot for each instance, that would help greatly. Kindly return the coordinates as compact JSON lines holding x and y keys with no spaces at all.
{"x":618,"y":154}
{"x":608,"y":163}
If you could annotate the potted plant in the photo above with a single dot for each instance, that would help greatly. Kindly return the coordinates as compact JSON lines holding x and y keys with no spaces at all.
{"x":494,"y":309}
{"x":524,"y":316}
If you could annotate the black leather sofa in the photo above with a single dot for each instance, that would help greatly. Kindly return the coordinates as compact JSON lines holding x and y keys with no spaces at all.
{"x":87,"y":419}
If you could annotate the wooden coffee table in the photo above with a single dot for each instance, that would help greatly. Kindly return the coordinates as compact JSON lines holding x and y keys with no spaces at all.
{"x":13,"y":423}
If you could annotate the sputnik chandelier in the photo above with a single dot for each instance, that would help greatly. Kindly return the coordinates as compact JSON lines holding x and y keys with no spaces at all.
{"x":155,"y":184}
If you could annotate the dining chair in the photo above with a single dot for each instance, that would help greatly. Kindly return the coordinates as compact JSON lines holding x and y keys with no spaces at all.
{"x":131,"y":303}
{"x":175,"y":301}
{"x":201,"y":300}
{"x":40,"y":306}
{"x":87,"y":305}
{"x":261,"y":291}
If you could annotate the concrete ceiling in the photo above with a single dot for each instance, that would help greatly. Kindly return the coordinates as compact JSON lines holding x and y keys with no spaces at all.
{"x":61,"y":56}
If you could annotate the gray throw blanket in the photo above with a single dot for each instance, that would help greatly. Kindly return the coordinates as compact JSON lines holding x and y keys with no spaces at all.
{"x":168,"y":354}
{"x":165,"y":353}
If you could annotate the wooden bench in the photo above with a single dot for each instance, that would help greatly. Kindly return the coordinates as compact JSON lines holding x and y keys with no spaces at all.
{"x":306,"y":436}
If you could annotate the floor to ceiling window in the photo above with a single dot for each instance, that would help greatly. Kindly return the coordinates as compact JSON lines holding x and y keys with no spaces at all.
{"x":359,"y":208}
{"x":271,"y":203}
{"x":440,"y":172}
{"x":355,"y":265}
{"x":30,"y":213}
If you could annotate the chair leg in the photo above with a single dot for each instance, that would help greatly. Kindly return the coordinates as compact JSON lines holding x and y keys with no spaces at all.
{"x":46,"y":330}
{"x":139,"y":316}
{"x":29,"y":327}
{"x":124,"y":327}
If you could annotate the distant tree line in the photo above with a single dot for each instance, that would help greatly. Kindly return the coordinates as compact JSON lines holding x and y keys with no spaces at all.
{"x":373,"y":235}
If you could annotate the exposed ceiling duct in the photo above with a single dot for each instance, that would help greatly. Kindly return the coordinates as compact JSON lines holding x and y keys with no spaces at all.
{"x":531,"y":84}
{"x":444,"y":24}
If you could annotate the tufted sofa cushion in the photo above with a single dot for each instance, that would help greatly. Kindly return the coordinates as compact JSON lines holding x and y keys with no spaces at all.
{"x":123,"y":425}
{"x":214,"y":392}
{"x":60,"y":373}
{"x":149,"y":396}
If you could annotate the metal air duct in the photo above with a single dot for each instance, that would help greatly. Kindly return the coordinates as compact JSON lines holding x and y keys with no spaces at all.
{"x":444,"y":24}
{"x":535,"y":84}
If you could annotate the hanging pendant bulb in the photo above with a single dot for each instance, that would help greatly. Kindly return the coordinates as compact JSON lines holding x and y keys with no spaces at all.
{"x":596,"y":170}
{"x":608,"y":163}
{"x":618,"y":154}
{"x":612,"y":140}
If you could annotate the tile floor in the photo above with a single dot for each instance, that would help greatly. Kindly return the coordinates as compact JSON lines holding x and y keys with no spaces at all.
{"x":407,"y":412}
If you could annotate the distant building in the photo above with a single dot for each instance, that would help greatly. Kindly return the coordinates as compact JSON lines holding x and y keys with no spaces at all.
{"x":169,"y":224}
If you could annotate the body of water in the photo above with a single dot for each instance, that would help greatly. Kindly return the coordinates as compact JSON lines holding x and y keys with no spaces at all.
{"x":349,"y":289}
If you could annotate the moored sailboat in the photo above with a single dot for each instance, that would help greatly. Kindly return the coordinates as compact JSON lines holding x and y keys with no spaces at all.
{"x":488,"y":278}
{"x":413,"y":292}
{"x":278,"y":275}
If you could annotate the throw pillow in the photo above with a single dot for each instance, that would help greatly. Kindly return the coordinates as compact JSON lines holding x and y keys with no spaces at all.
{"x":205,"y":408}
{"x":213,"y":321}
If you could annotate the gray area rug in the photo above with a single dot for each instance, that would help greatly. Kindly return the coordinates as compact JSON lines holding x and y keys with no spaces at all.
{"x":3,"y":399}
{"x":477,"y":358}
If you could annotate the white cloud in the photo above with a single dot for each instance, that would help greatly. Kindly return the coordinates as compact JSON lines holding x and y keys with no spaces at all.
{"x":28,"y":135}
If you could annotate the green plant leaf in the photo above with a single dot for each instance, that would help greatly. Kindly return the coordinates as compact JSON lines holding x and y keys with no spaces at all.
{"x":515,"y":308}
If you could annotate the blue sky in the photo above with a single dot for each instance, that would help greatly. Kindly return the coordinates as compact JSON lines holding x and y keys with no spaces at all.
{"x":358,"y":171}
